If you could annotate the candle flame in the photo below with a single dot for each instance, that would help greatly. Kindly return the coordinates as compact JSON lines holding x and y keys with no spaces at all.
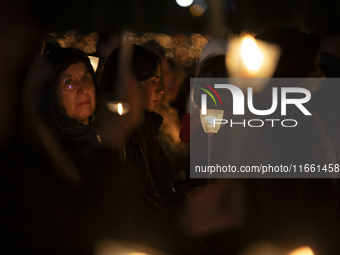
{"x":251,"y":54}
{"x":94,"y":62}
{"x":211,"y":122}
{"x":120,"y":108}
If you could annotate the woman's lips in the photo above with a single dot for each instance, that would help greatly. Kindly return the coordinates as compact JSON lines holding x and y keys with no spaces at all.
{"x":84,"y":102}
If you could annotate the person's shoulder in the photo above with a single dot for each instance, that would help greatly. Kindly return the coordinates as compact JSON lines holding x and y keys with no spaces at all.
{"x":156,"y":118}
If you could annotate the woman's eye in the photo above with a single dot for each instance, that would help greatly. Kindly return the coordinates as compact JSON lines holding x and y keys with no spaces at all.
{"x":68,"y":82}
{"x":87,"y":79}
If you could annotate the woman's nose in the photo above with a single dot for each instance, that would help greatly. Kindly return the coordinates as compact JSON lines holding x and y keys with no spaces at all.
{"x":82,"y":88}
{"x":160,"y":89}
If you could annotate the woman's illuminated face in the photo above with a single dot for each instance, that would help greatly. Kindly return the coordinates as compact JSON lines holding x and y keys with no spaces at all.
{"x":76,"y":92}
{"x":154,"y":91}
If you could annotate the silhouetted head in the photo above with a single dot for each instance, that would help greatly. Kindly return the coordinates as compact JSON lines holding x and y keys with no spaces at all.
{"x":328,"y":30}
{"x":299,"y":52}
{"x":212,"y":66}
{"x":145,"y":66}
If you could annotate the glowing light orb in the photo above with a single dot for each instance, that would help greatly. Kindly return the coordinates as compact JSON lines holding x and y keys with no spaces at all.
{"x":120,"y":109}
{"x":251,"y":54}
{"x":302,"y":251}
{"x":196,"y":10}
{"x":94,"y":62}
{"x":184,"y":3}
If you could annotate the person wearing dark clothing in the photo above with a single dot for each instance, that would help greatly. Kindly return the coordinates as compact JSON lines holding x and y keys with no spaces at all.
{"x":47,"y":204}
{"x":69,"y":103}
{"x":330,"y":64}
{"x":306,"y":143}
{"x":160,"y":198}
{"x":143,"y":149}
{"x":328,"y":101}
{"x":328,"y":30}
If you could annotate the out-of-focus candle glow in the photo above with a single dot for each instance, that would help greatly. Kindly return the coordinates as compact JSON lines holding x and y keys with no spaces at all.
{"x":196,"y":10}
{"x":251,"y":54}
{"x":302,"y":251}
{"x":118,"y":107}
{"x":184,"y":3}
{"x":114,"y":247}
{"x":250,"y":58}
{"x":94,"y":62}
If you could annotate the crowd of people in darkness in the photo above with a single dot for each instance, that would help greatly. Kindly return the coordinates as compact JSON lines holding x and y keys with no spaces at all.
{"x":88,"y":156}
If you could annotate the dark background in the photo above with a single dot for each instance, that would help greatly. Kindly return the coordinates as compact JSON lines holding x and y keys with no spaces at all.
{"x":166,"y":16}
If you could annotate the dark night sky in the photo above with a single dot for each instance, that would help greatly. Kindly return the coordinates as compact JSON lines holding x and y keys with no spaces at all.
{"x":165,"y":16}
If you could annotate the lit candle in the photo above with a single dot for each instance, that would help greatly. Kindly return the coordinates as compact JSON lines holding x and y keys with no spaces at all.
{"x":209,"y":121}
{"x":250,"y":58}
{"x":118,"y":107}
{"x":94,"y":62}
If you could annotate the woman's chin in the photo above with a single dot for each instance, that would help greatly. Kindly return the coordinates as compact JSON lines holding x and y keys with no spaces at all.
{"x":149,"y":108}
{"x":153,"y":107}
{"x":83,"y":118}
